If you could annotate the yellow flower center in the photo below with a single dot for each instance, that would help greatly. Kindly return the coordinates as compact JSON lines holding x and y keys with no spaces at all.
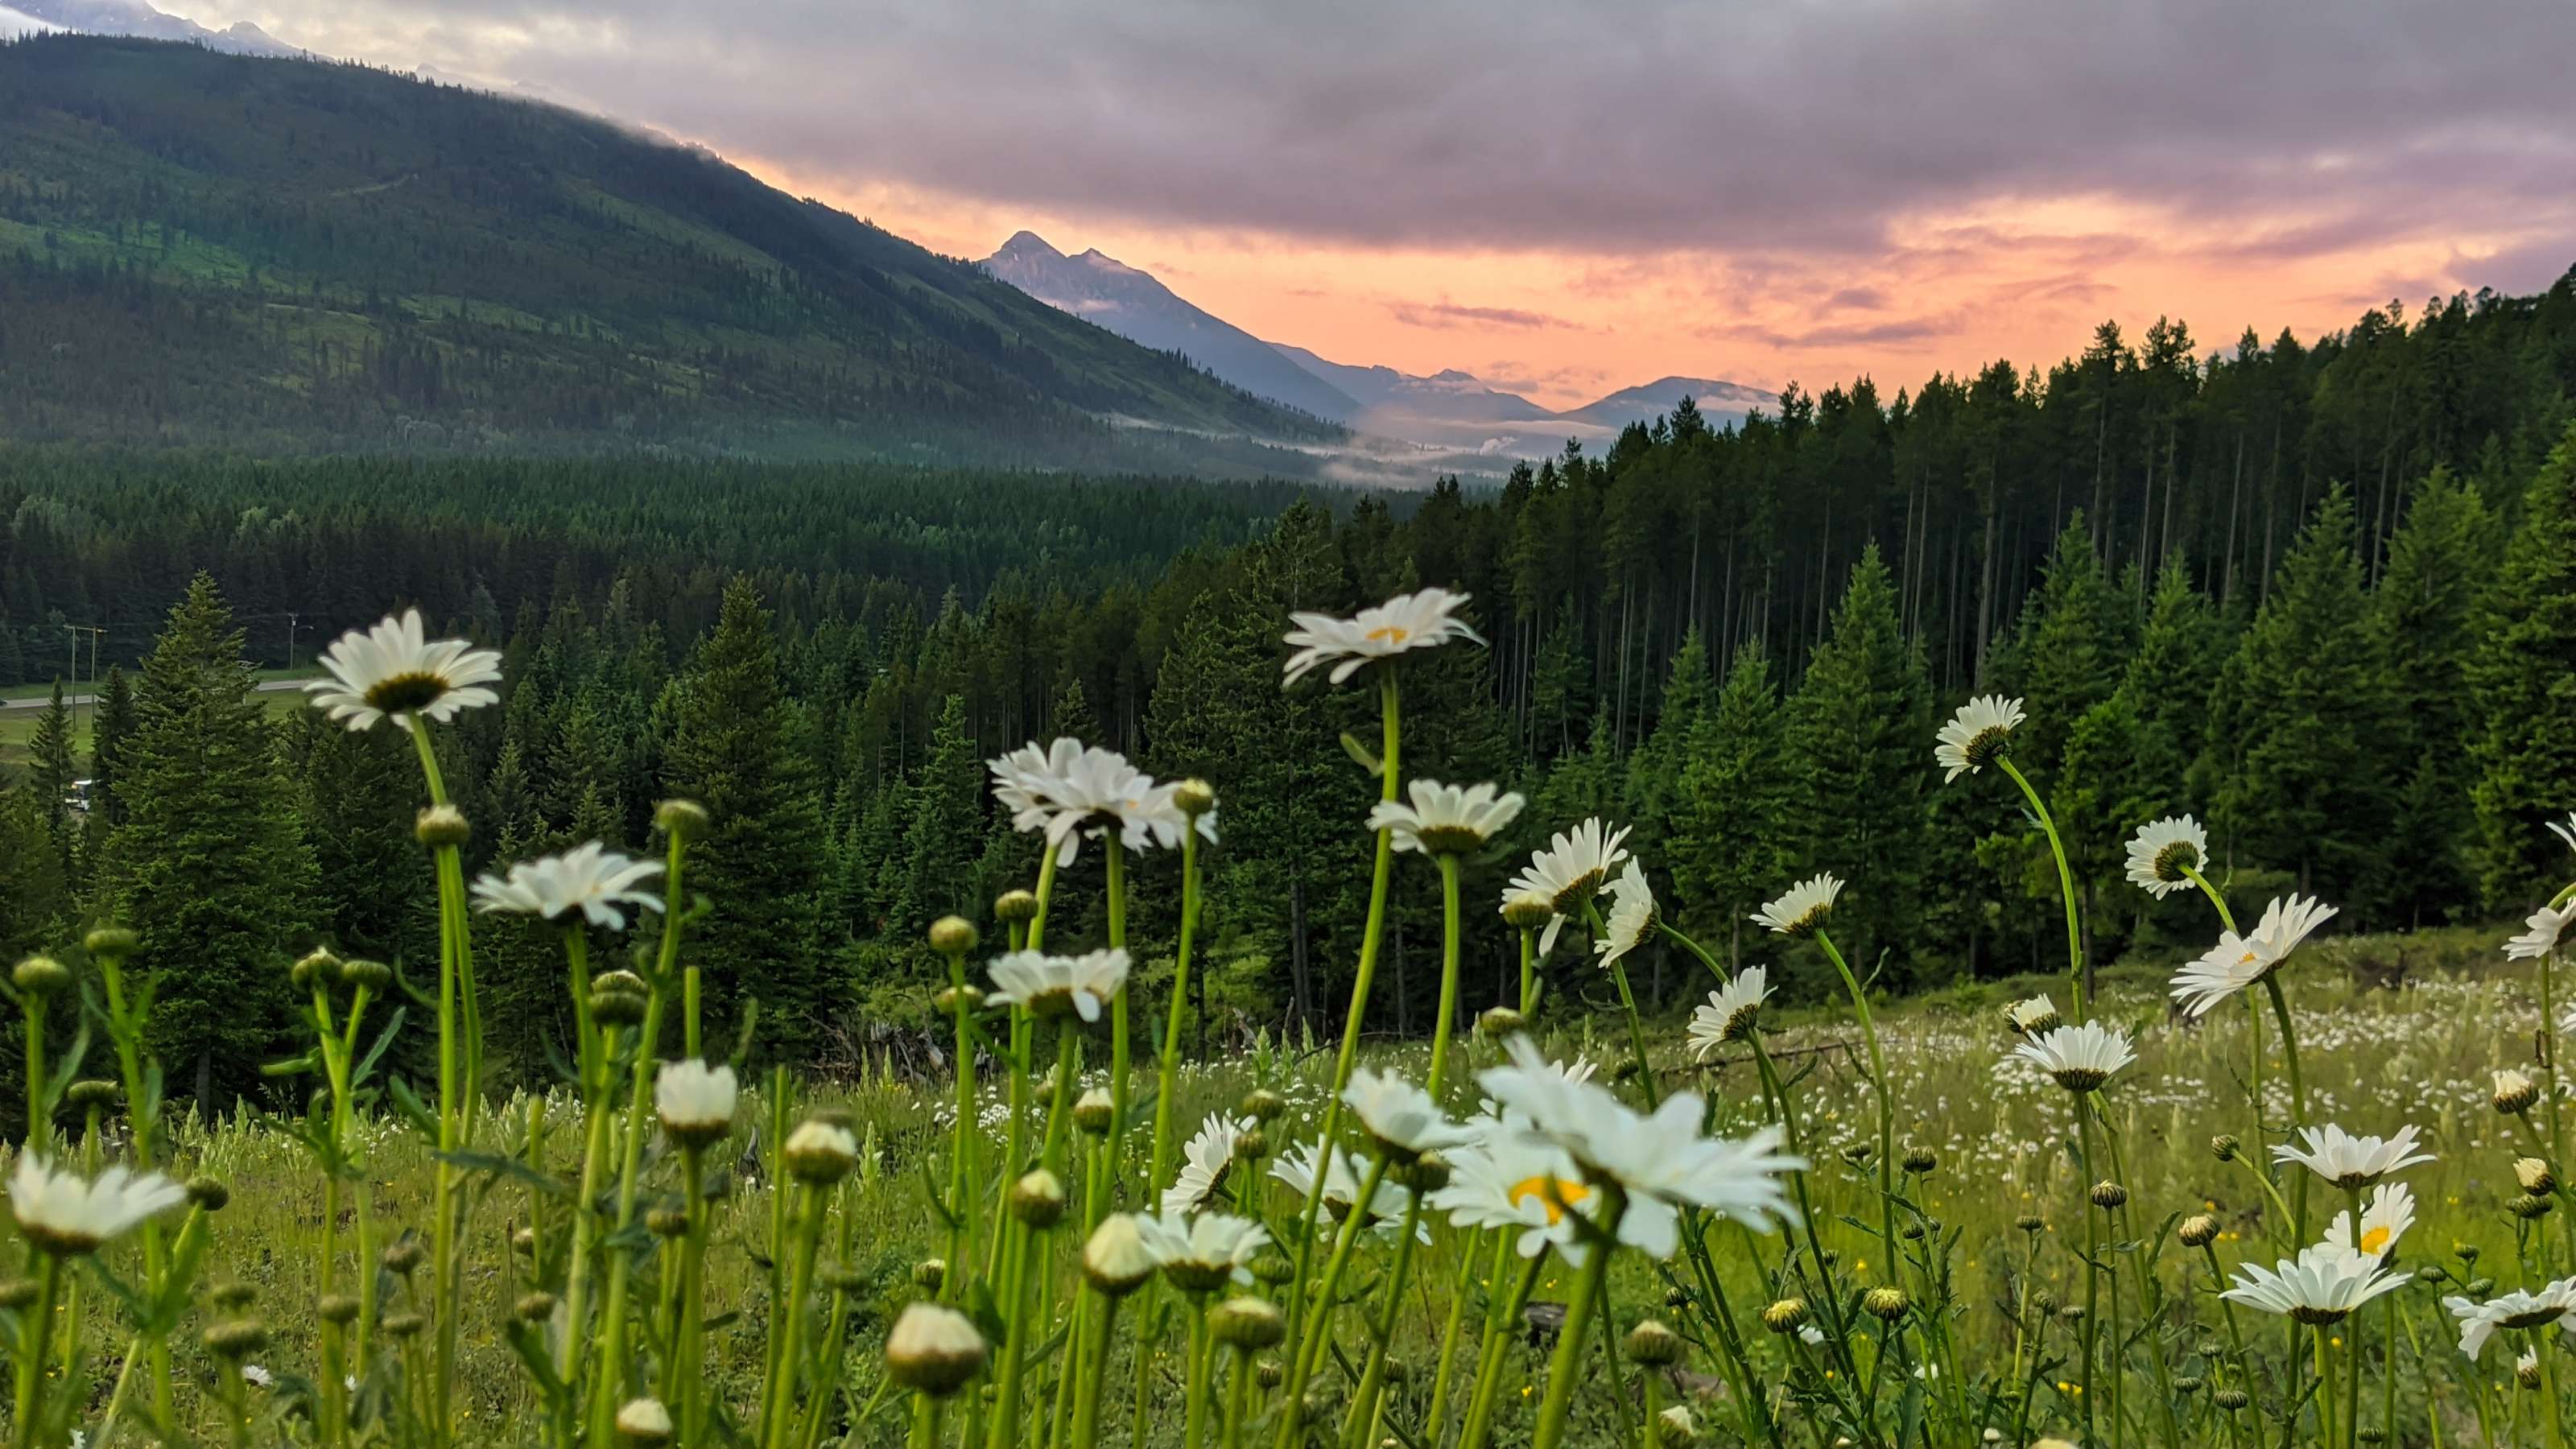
{"x":1390,"y":634}
{"x":1553,"y":1193}
{"x":2374,"y":1239}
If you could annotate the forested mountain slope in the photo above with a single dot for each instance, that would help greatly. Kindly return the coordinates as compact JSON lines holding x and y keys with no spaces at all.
{"x":197,"y":247}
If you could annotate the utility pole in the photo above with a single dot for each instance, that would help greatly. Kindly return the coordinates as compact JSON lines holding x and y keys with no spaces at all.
{"x":292,"y":617}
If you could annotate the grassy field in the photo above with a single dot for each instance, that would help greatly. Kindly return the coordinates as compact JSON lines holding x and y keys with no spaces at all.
{"x":2394,"y":1031}
{"x":18,"y":724}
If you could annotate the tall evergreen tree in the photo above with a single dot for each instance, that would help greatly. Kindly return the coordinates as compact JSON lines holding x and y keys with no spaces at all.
{"x":52,"y":768}
{"x":2423,"y":616}
{"x":1731,"y":844}
{"x":2522,"y":685}
{"x":212,"y":873}
{"x":762,"y":865}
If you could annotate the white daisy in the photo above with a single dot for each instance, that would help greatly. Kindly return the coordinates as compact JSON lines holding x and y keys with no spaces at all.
{"x":1420,"y":620}
{"x":2237,"y":962}
{"x":1730,"y":1011}
{"x":1401,"y":1116}
{"x":1510,"y":1179}
{"x":2566,"y":832}
{"x":2385,"y":1217}
{"x":2326,"y":1283}
{"x":2034,"y":1016}
{"x":1205,"y":1159}
{"x":2554,"y":1303}
{"x":1071,"y":792}
{"x":2161,"y":851}
{"x":258,"y":1377}
{"x":2348,"y":1161}
{"x":2079,"y":1058}
{"x":1205,"y":1251}
{"x":1803,"y":909}
{"x":2540,"y":936}
{"x":1569,"y":872}
{"x":393,"y":671}
{"x":1976,"y":735}
{"x":646,"y":1421}
{"x":70,"y":1216}
{"x":695,"y":1102}
{"x":1661,"y":1157}
{"x":588,"y":878}
{"x":1053,"y":985}
{"x":1446,"y":819}
{"x":1342,"y":1183}
{"x":1631,"y":922}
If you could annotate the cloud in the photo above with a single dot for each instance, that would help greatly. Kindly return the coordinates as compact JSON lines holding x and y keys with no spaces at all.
{"x":1451,"y":314}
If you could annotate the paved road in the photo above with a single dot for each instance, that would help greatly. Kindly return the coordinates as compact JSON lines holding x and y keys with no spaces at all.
{"x":42,"y":700}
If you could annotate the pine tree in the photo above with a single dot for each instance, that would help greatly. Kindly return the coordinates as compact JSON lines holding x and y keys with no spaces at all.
{"x":2522,"y":688}
{"x":52,"y":768}
{"x":945,"y":833}
{"x":110,"y":731}
{"x":1731,"y":844}
{"x":2422,"y":618}
{"x":762,"y":864}
{"x":1857,"y":730}
{"x":356,"y":793}
{"x":1655,"y":769}
{"x":2303,"y":711}
{"x":212,"y":872}
{"x":2069,"y":656}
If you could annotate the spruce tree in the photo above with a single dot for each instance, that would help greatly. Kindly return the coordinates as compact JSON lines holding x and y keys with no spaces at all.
{"x":2422,"y":619}
{"x":212,"y":873}
{"x":110,"y":732}
{"x":762,"y":865}
{"x":356,"y":793}
{"x":1731,"y":845}
{"x":945,"y":831}
{"x":2522,"y":689}
{"x":51,"y":767}
{"x":1860,"y":736}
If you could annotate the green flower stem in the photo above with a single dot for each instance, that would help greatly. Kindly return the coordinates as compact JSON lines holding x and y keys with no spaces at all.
{"x":2352,"y":1345}
{"x":925,"y":1423}
{"x":1168,"y":1080}
{"x":1468,"y":1252}
{"x":1059,"y":1118}
{"x":1529,"y":970}
{"x":1601,"y":1320}
{"x":1194,"y":1401}
{"x":1364,"y":1403}
{"x":1837,"y":1317}
{"x":682,"y":1376}
{"x":1390,"y":771}
{"x":1564,"y":1367}
{"x":787,"y":1324}
{"x":2330,"y":1395}
{"x":1046,"y":898}
{"x":1319,"y":1323}
{"x":2092,"y":1258}
{"x":2148,"y":1296}
{"x":334,"y":1406}
{"x":963,"y":1138}
{"x":2549,"y":1060}
{"x":1023,"y":1048}
{"x":2552,"y":1408}
{"x":597,"y":1046}
{"x":1450,"y":934}
{"x":1086,"y":1407}
{"x":1238,"y":1386}
{"x":459,"y":1062}
{"x":2065,"y":883}
{"x":2298,"y":1093}
{"x":1500,"y":1314}
{"x":1119,"y":1047}
{"x":40,"y":1127}
{"x":1879,"y":1094}
{"x":31,"y":1350}
{"x":2227,"y":1310}
{"x":1017,"y":1283}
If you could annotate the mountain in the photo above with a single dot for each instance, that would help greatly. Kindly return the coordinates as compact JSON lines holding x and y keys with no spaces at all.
{"x":1137,"y":306}
{"x":1719,"y":401}
{"x":1448,"y":394}
{"x":201,"y":248}
{"x":135,"y":18}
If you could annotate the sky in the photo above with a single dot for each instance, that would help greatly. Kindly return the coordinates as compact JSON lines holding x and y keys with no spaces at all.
{"x":1569,"y":198}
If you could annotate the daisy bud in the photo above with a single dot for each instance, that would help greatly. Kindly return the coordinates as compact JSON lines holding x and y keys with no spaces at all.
{"x":2072,"y":1313}
{"x":934,"y":1350}
{"x":1887,"y":1302}
{"x":1654,"y":1345}
{"x":2535,"y":1176}
{"x":402,"y":1256}
{"x":525,"y":1240}
{"x":953,"y":935}
{"x":1677,"y":1296}
{"x":91,"y":1095}
{"x":1501,"y":1021}
{"x":1528,"y":912}
{"x":2030,"y":1222}
{"x":819,"y":1154}
{"x":666,"y":1222}
{"x":113,"y":943}
{"x":316,"y":968}
{"x":209,"y":1193}
{"x":952,"y":999}
{"x":2530,"y":1207}
{"x":2231,"y":1400}
{"x":1920,"y":1160}
{"x":1269,"y":1373}
{"x":41,"y":975}
{"x":1857,"y":1154}
{"x":1194,"y":797}
{"x":2480,"y":1287}
{"x":845,"y":1278}
{"x":236,"y":1338}
{"x":370,"y":976}
{"x":929,"y":1274}
{"x":683,"y":819}
{"x":2465,"y":1252}
{"x":2187,"y":1384}
{"x":1252,"y":1145}
{"x":1273,"y":1269}
{"x":2514,"y":1093}
{"x":1015,"y":906}
{"x":1251,"y":1325}
{"x":2370,"y":1434}
{"x":2044,"y":1304}
{"x":611,"y":1007}
{"x":2198,"y":1231}
{"x":231,"y":1293}
{"x":18,"y":1294}
{"x":1262,"y":1105}
{"x":441,"y":827}
{"x":622,"y":981}
{"x":2433,"y":1273}
{"x":2109,"y":1195}
{"x":1095,"y":1110}
{"x":644,"y":1422}
{"x":1115,"y":1257}
{"x":1037,"y":1199}
{"x":404,"y":1325}
{"x":1912,"y":1232}
{"x":1397,"y":1370}
{"x":338,"y":1308}
{"x":534,"y":1307}
{"x":2210,"y":1348}
{"x":1425,"y":1174}
{"x":1675,"y":1429}
{"x":2527,"y":1374}
{"x":1786,"y":1316}
{"x":2224,"y":1147}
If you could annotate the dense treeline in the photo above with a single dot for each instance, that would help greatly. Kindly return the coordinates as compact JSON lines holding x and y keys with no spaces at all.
{"x":2324,"y":596}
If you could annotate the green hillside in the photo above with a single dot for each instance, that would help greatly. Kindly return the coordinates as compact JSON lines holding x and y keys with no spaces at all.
{"x":289,"y":255}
